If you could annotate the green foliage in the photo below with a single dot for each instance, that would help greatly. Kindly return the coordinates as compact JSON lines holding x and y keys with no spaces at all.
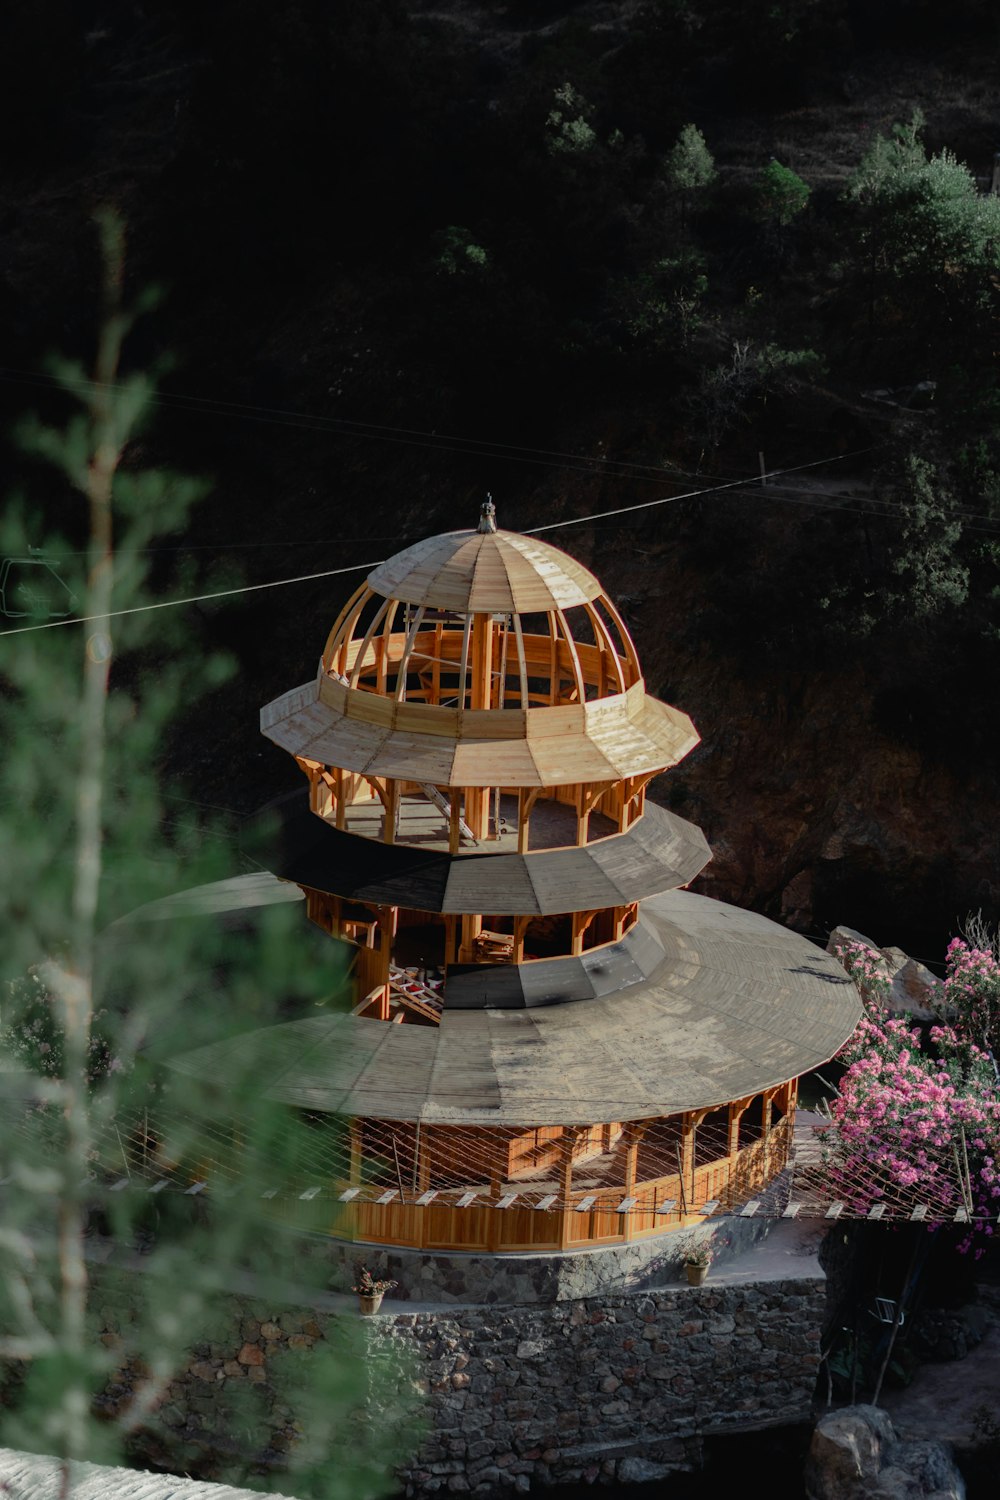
{"x":459,"y":255}
{"x":922,"y":215}
{"x":690,"y":166}
{"x":568,"y":131}
{"x":661,"y":308}
{"x":781,"y":194}
{"x":931,"y":574}
{"x":95,"y":995}
{"x":752,"y":372}
{"x":927,"y":246}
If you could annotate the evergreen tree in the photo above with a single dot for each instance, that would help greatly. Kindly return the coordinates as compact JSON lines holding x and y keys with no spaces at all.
{"x":92,"y":998}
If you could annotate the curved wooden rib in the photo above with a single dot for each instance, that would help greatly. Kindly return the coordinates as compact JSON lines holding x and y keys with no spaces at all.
{"x":581,"y":693}
{"x":609,"y":656}
{"x":343,"y":628}
{"x":377,"y":618}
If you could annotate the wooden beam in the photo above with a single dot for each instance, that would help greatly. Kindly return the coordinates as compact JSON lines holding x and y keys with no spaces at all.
{"x":609,"y":656}
{"x":404,"y":659}
{"x":377,"y":620}
{"x":355,"y":1148}
{"x":553,"y":658}
{"x":482,"y":661}
{"x":436,"y":664}
{"x":581,"y":691}
{"x":343,"y":628}
{"x":526,"y":799}
{"x":392,"y":810}
{"x":463,"y":671}
{"x":521,"y":664}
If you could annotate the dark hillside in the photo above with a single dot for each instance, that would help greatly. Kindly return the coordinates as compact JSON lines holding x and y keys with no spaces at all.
{"x":413,"y":252}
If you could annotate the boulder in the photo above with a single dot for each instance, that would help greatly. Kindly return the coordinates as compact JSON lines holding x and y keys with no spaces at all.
{"x":841,"y":936}
{"x":845,"y":1454}
{"x":929,"y":1463}
{"x":915,"y":990}
{"x":938,"y":1334}
{"x":855,"y":1455}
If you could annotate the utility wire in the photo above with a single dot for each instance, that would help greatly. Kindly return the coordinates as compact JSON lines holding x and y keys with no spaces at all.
{"x":714,"y":489}
{"x":140,"y":609}
{"x":333,"y":572}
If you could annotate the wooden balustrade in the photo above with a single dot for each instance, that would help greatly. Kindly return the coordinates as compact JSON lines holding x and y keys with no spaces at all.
{"x":442,"y":1225}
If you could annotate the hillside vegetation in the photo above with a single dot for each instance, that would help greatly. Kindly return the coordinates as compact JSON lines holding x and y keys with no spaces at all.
{"x":581,"y":256}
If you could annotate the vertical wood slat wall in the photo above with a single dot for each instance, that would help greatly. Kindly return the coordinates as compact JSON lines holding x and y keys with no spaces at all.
{"x":441,"y":1225}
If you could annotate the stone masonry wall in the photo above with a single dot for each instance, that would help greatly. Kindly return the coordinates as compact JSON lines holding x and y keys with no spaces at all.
{"x":614,"y":1387}
{"x":617,"y":1386}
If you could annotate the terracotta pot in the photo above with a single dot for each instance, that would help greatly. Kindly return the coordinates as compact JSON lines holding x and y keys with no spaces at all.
{"x":696,"y":1274}
{"x":370,"y":1305}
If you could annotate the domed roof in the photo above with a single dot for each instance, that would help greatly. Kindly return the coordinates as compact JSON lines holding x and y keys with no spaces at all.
{"x":485,"y":572}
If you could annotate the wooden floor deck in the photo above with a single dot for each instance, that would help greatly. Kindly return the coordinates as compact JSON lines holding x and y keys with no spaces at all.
{"x":423,"y":826}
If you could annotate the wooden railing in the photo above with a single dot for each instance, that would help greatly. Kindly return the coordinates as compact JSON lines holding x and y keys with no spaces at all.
{"x":589,"y":1218}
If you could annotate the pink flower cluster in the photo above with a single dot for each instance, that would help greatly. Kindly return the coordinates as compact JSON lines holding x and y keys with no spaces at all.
{"x":917,"y":1119}
{"x":972,"y":991}
{"x":867,"y":968}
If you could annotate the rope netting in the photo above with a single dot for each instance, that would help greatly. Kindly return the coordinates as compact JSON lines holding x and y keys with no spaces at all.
{"x":661,"y":1170}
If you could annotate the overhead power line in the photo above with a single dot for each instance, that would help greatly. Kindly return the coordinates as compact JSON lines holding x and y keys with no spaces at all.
{"x":357,"y":567}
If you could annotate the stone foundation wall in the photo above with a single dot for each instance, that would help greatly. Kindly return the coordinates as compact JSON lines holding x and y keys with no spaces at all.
{"x":464,"y":1276}
{"x":614,"y":1387}
{"x":619,"y":1385}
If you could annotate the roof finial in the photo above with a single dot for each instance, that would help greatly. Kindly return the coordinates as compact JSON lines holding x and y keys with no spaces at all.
{"x":487,"y":514}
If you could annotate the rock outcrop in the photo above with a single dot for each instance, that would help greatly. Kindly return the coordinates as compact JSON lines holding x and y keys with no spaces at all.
{"x":915,"y":990}
{"x":856,"y":1455}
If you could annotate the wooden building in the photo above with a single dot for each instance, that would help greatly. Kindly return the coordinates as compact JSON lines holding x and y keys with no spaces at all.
{"x":553,"y":1044}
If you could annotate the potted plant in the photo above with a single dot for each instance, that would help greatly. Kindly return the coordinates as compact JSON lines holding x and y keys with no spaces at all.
{"x":696,"y":1264}
{"x":370,"y":1290}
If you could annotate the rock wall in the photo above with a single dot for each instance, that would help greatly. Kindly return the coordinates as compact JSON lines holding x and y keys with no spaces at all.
{"x":618,"y":1385}
{"x":613,"y":1387}
{"x":462,"y":1276}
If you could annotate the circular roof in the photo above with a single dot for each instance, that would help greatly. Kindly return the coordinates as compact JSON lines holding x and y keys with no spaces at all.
{"x":736,"y":1005}
{"x":658,"y":852}
{"x":485,"y":572}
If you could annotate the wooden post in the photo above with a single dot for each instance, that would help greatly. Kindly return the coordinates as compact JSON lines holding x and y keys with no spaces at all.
{"x":391,"y":810}
{"x":436,"y":663}
{"x":482,"y":661}
{"x":689,"y":1125}
{"x":634,"y":1133}
{"x":576,"y":943}
{"x":355,"y":1146}
{"x":472,"y":926}
{"x":454,"y":830}
{"x":526,"y":800}
{"x":568,"y":1143}
{"x":553,"y":659}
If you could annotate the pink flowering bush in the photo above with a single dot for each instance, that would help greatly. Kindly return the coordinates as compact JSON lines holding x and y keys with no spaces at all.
{"x":972,"y":991}
{"x":867,"y":968}
{"x":917,"y":1118}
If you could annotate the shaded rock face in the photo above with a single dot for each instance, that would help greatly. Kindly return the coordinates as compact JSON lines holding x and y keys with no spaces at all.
{"x":813,"y":812}
{"x":941,"y":1334}
{"x":855,"y":1455}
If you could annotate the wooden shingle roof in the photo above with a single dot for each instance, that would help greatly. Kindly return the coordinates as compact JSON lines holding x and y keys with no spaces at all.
{"x":659,"y":852}
{"x":737,"y":1005}
{"x":626,"y":734}
{"x":497,"y":571}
